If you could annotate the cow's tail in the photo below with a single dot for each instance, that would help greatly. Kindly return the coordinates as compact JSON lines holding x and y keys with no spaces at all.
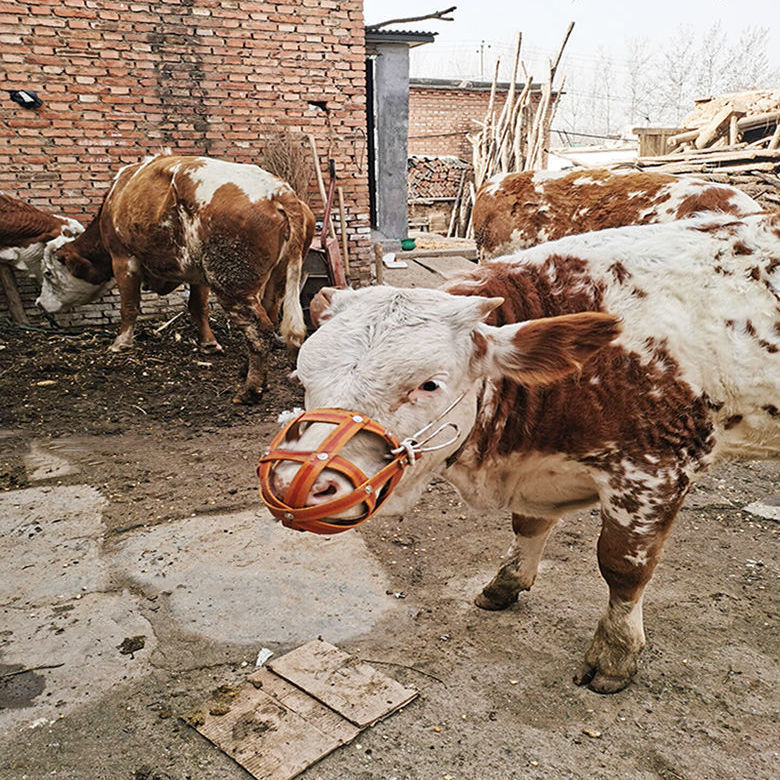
{"x":293,"y":246}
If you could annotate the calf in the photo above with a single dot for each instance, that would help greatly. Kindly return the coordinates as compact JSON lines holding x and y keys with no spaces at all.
{"x":26,"y":232}
{"x":233,"y":228}
{"x":610,"y":368}
{"x":520,"y":210}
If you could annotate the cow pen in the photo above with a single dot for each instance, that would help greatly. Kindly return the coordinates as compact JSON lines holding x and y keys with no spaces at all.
{"x":142,"y":581}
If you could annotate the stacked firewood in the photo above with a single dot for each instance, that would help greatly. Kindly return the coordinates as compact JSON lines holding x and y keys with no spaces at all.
{"x":435,"y":178}
{"x":733,"y":143}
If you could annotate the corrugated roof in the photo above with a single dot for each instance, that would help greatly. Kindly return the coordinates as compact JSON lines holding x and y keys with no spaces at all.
{"x":413,"y":37}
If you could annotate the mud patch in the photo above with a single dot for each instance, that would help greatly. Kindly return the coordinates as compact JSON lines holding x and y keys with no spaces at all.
{"x":18,"y":688}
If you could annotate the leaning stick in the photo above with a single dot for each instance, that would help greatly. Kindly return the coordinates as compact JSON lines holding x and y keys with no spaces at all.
{"x":343,"y":221}
{"x":320,"y":182}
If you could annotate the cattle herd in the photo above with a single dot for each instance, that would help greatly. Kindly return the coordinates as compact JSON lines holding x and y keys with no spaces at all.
{"x":620,"y":335}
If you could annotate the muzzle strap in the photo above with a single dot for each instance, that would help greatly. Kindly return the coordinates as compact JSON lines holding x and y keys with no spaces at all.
{"x":292,"y":509}
{"x":371,"y":491}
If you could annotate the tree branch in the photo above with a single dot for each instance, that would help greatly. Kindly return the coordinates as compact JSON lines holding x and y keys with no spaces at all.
{"x":434,"y":15}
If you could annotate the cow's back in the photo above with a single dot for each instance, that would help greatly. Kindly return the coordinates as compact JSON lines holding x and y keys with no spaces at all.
{"x":700,"y":340}
{"x":519,"y":210}
{"x":199,"y":219}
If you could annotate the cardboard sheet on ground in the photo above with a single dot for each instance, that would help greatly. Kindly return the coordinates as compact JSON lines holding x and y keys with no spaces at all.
{"x":309,"y":702}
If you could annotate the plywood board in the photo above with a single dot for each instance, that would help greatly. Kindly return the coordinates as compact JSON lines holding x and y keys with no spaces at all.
{"x":347,"y":685}
{"x":273,"y":729}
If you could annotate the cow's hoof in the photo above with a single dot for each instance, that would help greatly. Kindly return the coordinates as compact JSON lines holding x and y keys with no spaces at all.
{"x":121,"y":347}
{"x":248,"y":395}
{"x":599,"y":682}
{"x":212,"y":348}
{"x":495,"y":602}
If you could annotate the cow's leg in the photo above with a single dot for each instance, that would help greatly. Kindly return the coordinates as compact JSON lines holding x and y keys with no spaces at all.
{"x":629,"y":548}
{"x":257,"y":328}
{"x":128,"y":281}
{"x":198,"y":304}
{"x":518,"y":572}
{"x":293,"y":327}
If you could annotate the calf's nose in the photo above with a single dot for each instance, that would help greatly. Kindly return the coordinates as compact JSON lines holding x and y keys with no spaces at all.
{"x":328,"y":486}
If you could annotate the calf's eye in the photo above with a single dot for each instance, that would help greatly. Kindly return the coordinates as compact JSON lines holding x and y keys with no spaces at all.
{"x":430,"y":386}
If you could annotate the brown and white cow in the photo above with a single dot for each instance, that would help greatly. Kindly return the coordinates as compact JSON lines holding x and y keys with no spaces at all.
{"x":235,"y":229}
{"x":26,"y":231}
{"x":520,"y":210}
{"x":611,"y":368}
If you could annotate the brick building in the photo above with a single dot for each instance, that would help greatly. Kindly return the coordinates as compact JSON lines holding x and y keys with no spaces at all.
{"x":120,"y":79}
{"x":442,"y":112}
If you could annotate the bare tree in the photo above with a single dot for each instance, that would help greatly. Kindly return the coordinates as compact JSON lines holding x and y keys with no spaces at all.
{"x":641,"y":82}
{"x":711,"y":60}
{"x":676,"y":77}
{"x":748,"y":62}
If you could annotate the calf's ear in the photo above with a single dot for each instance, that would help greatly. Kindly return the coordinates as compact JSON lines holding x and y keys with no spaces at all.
{"x":327,"y":302}
{"x":542,"y":351}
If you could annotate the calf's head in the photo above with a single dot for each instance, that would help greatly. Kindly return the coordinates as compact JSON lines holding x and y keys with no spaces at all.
{"x":402,"y":357}
{"x":69,"y":279}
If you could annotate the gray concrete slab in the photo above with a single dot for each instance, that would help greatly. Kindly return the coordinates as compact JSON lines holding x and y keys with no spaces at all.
{"x":244,"y":578}
{"x":57,"y":608}
{"x":191,"y":588}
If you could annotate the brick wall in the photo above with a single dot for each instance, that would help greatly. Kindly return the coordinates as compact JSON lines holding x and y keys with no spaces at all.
{"x":121,"y":79}
{"x":440,"y":117}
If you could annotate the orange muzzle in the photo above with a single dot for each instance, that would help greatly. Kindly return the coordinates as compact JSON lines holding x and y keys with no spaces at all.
{"x":370,"y":491}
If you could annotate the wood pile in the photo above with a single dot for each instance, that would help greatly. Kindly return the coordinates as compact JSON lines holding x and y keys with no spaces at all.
{"x":435,"y":178}
{"x":438,"y":192}
{"x":733,"y":139}
{"x":515,"y":138}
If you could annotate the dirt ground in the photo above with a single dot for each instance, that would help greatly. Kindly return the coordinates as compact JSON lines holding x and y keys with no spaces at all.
{"x":155,"y":433}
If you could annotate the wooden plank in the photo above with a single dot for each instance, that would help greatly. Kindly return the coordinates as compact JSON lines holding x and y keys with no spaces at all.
{"x":347,"y":685}
{"x":15,"y":305}
{"x":714,"y":128}
{"x":706,"y":156}
{"x":272,"y":729}
{"x":300,"y":702}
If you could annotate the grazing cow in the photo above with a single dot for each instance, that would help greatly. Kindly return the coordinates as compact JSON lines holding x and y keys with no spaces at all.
{"x":233,"y":228}
{"x":26,"y":231}
{"x":520,"y":210}
{"x":612,"y":368}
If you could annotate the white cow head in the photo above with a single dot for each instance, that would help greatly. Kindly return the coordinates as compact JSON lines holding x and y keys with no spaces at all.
{"x":28,"y":259}
{"x":402,"y":356}
{"x":61,"y":289}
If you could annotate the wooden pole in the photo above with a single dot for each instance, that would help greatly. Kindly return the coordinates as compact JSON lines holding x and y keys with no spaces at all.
{"x":343,"y":221}
{"x":379,"y":267}
{"x":455,"y":204}
{"x":733,"y":130}
{"x":774,"y":141}
{"x":12,"y":295}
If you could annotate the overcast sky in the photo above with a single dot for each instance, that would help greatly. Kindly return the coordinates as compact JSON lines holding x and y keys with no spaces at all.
{"x":605,"y":23}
